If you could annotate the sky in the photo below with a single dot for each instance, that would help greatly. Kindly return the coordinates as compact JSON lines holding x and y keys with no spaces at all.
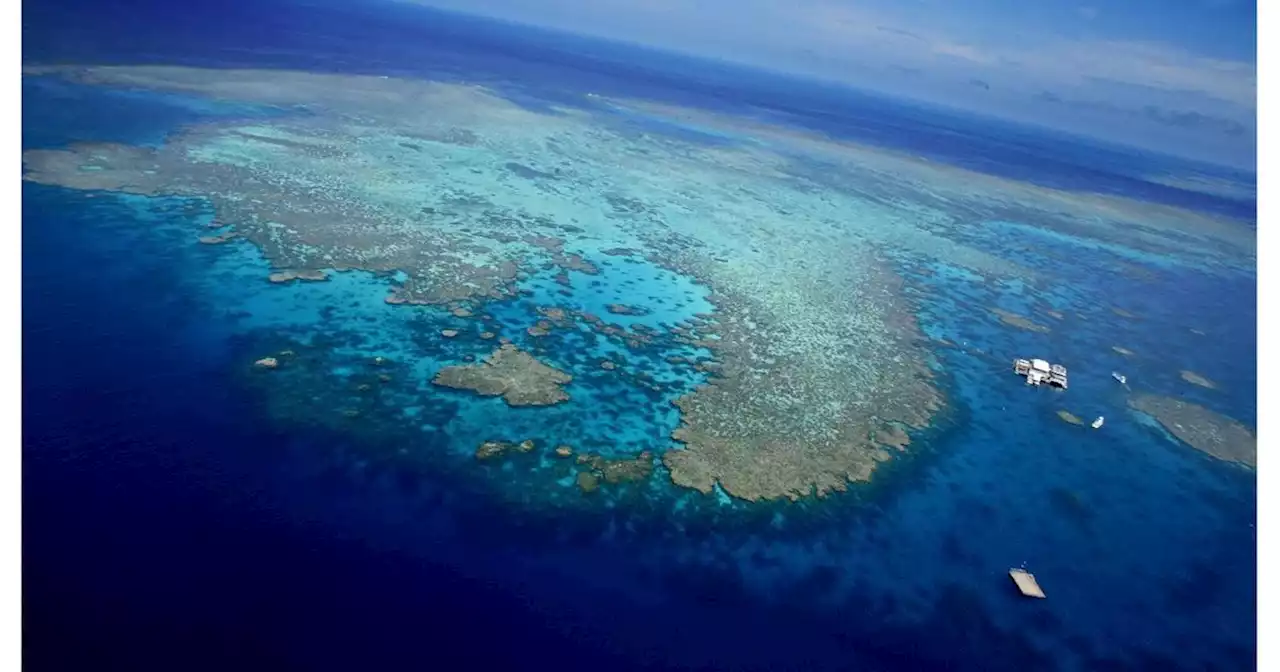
{"x":1173,"y":75}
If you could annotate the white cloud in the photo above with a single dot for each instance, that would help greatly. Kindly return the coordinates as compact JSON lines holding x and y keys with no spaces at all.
{"x":831,"y":38}
{"x":1148,"y":65}
{"x":963,"y":52}
{"x":859,"y":35}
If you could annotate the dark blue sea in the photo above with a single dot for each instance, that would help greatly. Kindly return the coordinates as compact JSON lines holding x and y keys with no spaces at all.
{"x":167,"y":524}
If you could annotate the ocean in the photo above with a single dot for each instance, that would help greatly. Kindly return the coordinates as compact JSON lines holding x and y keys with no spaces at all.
{"x":180,"y":510}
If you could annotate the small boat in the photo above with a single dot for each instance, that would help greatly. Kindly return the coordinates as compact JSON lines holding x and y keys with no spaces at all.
{"x":1097,"y":423}
{"x":1118,"y":377}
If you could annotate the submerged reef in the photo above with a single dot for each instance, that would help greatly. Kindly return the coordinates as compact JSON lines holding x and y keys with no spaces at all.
{"x":623,"y":309}
{"x":817,"y":363}
{"x":511,"y":373}
{"x":1197,"y":379}
{"x":219,"y":239}
{"x":1070,"y":418}
{"x":1206,"y":431}
{"x":309,"y":275}
{"x":811,"y":370}
{"x":808,"y":377}
{"x":491,"y":449}
{"x":620,"y":470}
{"x":1019,"y":321}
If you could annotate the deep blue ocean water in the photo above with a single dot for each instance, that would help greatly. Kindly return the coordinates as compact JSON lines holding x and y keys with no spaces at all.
{"x":166,"y":525}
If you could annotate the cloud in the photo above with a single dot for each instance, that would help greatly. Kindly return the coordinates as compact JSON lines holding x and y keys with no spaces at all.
{"x":1151,"y":65}
{"x":1181,"y":119}
{"x":899,"y":31}
{"x":874,"y":44}
{"x":963,"y":52}
{"x":1194,"y":121}
{"x":833,"y":38}
{"x":861,"y":35}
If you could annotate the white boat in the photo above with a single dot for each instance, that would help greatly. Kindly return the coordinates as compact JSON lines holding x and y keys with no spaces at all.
{"x":1118,"y":377}
{"x":1097,"y":423}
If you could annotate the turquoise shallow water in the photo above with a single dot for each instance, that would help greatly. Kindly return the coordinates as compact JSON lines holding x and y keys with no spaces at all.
{"x":1145,"y":546}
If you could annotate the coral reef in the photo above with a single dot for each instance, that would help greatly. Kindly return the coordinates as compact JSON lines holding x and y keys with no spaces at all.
{"x":491,"y":449}
{"x":1210,"y":433}
{"x":624,"y":309}
{"x":588,"y":481}
{"x":1070,"y":418}
{"x":892,"y":436}
{"x":218,"y":240}
{"x":310,"y":275}
{"x":796,"y":404}
{"x":511,"y":373}
{"x":1019,"y":321}
{"x":817,"y":372}
{"x":1197,"y":379}
{"x":621,"y":470}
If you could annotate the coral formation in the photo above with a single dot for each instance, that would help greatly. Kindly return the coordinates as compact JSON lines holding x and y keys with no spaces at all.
{"x":218,"y":240}
{"x":1070,"y":418}
{"x":511,"y":373}
{"x":462,"y":197}
{"x":1019,"y":321}
{"x":892,"y":436}
{"x":310,"y":275}
{"x":624,"y":309}
{"x":1197,"y":379}
{"x":621,"y":470}
{"x":805,"y":423}
{"x":1213,"y":434}
{"x":588,"y":481}
{"x":491,"y":449}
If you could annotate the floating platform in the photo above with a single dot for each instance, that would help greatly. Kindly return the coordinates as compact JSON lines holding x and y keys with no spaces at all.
{"x":1026,"y":582}
{"x":1039,"y":371}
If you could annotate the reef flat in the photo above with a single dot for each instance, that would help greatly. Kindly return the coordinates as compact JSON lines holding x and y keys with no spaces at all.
{"x":931,"y":195}
{"x":463,"y":201}
{"x":804,"y":402}
{"x":512,"y":374}
{"x":1197,"y":379}
{"x":1019,"y":321}
{"x":1206,"y":431}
